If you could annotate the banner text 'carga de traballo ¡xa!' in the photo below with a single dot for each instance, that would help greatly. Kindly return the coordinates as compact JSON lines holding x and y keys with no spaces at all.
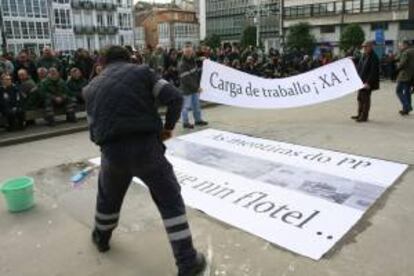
{"x":225,"y":85}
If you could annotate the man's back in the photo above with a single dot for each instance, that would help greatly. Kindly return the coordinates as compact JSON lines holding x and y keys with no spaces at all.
{"x":120,"y":103}
{"x":406,"y":65}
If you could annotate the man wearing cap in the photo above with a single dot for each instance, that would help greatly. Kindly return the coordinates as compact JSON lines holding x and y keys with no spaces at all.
{"x":405,"y":68}
{"x":368,"y":69}
{"x":124,"y":122}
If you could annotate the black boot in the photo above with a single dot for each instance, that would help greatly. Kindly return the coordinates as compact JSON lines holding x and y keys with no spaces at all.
{"x":71,"y":117}
{"x":101,"y":240}
{"x":195,"y":268}
{"x":201,"y":123}
{"x":50,"y":121}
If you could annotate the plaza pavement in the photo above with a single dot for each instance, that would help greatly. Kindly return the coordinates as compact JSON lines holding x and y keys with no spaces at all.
{"x":53,"y":238}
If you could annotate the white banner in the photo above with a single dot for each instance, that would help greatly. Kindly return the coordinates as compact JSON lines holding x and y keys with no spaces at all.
{"x":225,"y":85}
{"x":301,"y":198}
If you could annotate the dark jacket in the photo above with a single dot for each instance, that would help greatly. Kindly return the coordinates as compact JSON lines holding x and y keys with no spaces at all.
{"x":405,"y":65}
{"x":30,"y":68}
{"x":190,"y":75}
{"x":121,"y":103}
{"x":49,"y":62}
{"x":54,"y":88}
{"x":369,"y":70}
{"x":10,"y":99}
{"x":85,"y":65}
{"x":76,"y":86}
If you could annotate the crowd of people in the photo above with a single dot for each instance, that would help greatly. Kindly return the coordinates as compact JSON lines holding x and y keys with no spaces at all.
{"x":49,"y":82}
{"x":54,"y":81}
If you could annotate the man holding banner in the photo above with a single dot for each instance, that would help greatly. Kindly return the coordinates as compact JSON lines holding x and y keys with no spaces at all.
{"x":368,"y":70}
{"x":189,"y":74}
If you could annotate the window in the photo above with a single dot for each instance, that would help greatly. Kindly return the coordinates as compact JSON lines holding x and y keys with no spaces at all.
{"x":353,"y":6}
{"x":99,"y":18}
{"x":68,"y":21}
{"x":39,"y":30}
{"x":32,"y":31}
{"x":88,"y":18}
{"x":6,"y":9}
{"x":395,"y":4}
{"x":13,"y":7}
{"x":379,"y":25}
{"x":77,"y":19}
{"x":25,"y":31}
{"x":385,"y":5}
{"x":407,"y":25}
{"x":16,"y":29}
{"x":338,"y":7}
{"x":371,"y":5}
{"x":63,"y":22}
{"x":46,"y":30}
{"x":120,"y":23}
{"x":21,"y":8}
{"x":29,"y":8}
{"x":403,"y":4}
{"x":8,"y":29}
{"x":36,"y":8}
{"x":328,"y":29}
{"x":57,"y":19}
{"x":43,"y":8}
{"x":110,"y":20}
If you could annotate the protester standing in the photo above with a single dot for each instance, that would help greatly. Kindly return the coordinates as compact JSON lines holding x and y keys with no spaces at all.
{"x":405,"y":76}
{"x":190,"y":75}
{"x":23,"y":62}
{"x":369,"y":70}
{"x":57,"y":95}
{"x":11,"y":104}
{"x":124,"y":122}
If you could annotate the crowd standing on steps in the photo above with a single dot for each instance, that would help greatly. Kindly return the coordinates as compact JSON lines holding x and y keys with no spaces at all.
{"x":54,"y":81}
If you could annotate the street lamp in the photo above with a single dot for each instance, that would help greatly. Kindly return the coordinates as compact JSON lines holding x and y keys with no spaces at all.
{"x":256,"y":13}
{"x":3,"y":34}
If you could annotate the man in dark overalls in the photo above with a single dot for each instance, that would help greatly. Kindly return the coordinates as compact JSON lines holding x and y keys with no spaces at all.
{"x":124,"y":122}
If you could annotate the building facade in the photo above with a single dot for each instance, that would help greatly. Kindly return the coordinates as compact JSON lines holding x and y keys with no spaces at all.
{"x":200,"y":9}
{"x":66,"y":24}
{"x":99,"y":23}
{"x":26,"y":24}
{"x":228,"y":18}
{"x":168,"y":26}
{"x":329,"y":17}
{"x":63,"y":37}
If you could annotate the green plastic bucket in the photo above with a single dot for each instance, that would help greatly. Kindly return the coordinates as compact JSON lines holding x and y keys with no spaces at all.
{"x":18,"y":193}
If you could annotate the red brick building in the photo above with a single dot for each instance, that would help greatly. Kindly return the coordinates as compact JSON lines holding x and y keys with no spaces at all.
{"x":168,"y":26}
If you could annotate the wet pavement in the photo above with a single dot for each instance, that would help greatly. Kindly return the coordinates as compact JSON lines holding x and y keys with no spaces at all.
{"x":54,"y":237}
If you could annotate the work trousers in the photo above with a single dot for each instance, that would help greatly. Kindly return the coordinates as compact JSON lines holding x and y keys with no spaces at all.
{"x":50,"y":105}
{"x":143,"y":157}
{"x":364,"y":103}
{"x":404,"y":95}
{"x":191,"y":102}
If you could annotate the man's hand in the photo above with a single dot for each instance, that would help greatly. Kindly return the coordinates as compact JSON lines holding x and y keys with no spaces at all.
{"x":200,"y":90}
{"x":166,"y":134}
{"x":366,"y":86}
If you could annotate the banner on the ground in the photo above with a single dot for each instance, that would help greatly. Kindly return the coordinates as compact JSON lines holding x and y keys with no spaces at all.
{"x":225,"y":85}
{"x":301,"y":198}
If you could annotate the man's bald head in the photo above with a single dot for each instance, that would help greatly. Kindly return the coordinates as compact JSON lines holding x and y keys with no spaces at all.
{"x":23,"y":75}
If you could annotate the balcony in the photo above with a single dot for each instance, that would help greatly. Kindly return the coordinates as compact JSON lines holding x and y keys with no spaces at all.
{"x":75,"y":4}
{"x":106,"y":30}
{"x":83,"y":29}
{"x":112,"y":30}
{"x":100,"y":6}
{"x":109,"y":6}
{"x":87,"y":5}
